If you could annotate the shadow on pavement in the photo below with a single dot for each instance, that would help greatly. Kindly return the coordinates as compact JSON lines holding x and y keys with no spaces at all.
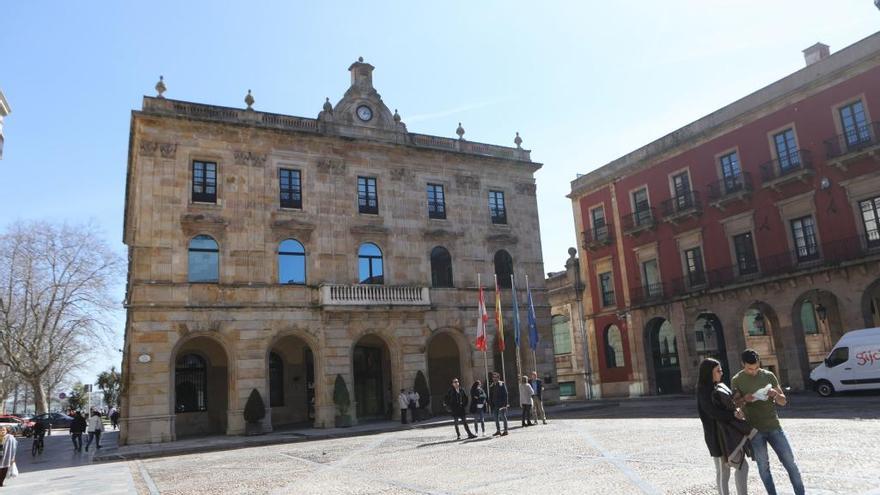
{"x":58,"y":452}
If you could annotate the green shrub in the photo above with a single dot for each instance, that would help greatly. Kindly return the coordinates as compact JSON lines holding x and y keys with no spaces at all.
{"x":255,"y":408}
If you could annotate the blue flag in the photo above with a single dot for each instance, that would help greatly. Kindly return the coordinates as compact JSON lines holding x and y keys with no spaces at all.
{"x":515,"y":313}
{"x":533,"y":321}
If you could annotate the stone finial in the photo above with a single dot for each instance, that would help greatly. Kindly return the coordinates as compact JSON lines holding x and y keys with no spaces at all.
{"x":396,"y":116}
{"x":249,"y":100}
{"x":361,"y":59}
{"x":328,"y":107}
{"x":518,"y":141}
{"x":160,"y":87}
{"x":460,"y":131}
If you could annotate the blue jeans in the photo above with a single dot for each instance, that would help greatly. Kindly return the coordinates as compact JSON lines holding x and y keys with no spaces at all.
{"x":500,"y":413}
{"x":479,"y":419}
{"x":779,"y":442}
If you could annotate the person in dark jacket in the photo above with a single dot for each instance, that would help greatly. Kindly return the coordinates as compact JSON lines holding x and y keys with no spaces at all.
{"x":77,"y":428}
{"x":498,"y":403}
{"x":456,"y":402}
{"x":478,"y":406}
{"x":727,"y":435}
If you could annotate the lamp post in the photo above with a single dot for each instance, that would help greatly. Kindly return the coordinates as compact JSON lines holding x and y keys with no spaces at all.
{"x":578,"y":289}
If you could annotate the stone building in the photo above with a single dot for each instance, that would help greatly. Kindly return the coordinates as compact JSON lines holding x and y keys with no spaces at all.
{"x":753,"y":227}
{"x":275,"y":253}
{"x":4,"y":111}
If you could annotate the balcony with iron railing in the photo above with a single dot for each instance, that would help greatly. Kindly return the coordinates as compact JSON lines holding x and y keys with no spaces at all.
{"x":729,"y":190}
{"x":683,"y":206}
{"x":854,"y":144}
{"x":649,"y":293}
{"x":374,"y":295}
{"x":789,"y":167}
{"x":639,"y":221}
{"x":597,"y":237}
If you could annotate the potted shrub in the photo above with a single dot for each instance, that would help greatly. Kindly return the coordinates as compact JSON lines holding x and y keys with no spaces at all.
{"x":342,"y":401}
{"x":421,"y":387}
{"x":254,"y":412}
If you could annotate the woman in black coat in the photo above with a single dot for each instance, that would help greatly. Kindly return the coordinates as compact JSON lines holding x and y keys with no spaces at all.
{"x":727,"y":435}
{"x":478,"y":406}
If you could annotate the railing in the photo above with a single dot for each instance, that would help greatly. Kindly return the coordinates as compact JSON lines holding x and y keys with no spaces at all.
{"x":646,"y":294}
{"x":787,"y":164}
{"x":730,"y":186}
{"x":642,"y":219}
{"x":595,"y":237}
{"x":449,"y":144}
{"x":853,"y":140}
{"x":682,"y":203}
{"x":374,"y":295}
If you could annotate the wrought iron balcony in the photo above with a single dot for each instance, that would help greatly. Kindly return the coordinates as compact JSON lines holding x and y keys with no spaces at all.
{"x":790,"y":167}
{"x":646,"y":294}
{"x":374,"y":295}
{"x":641,"y":220}
{"x":597,"y":237}
{"x":682,"y":206}
{"x":730,"y":189}
{"x":852,"y":144}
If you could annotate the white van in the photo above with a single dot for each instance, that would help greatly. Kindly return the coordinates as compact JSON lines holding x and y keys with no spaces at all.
{"x":853,"y":364}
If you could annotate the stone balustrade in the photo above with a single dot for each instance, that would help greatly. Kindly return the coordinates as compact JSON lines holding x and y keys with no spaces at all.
{"x":374,"y":295}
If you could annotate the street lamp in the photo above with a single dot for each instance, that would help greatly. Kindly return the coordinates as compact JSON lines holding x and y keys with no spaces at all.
{"x":759,"y":318}
{"x":822,"y":311}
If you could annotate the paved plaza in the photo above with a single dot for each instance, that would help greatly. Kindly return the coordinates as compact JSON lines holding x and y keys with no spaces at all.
{"x":650,"y":446}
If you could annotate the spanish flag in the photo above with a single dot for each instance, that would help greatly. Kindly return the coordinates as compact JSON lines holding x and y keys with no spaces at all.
{"x":499,"y":321}
{"x":482,"y":320}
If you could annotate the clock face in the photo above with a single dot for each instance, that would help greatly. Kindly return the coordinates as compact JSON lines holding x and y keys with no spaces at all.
{"x":364,"y":113}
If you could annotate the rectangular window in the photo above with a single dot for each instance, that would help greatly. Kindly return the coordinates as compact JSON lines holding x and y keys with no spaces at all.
{"x":870,"y":209}
{"x":600,"y":230}
{"x":561,"y":334}
{"x":496,"y":207}
{"x":436,"y":201}
{"x":694,"y":266}
{"x":744,"y":249}
{"x":651,"y":278}
{"x":567,"y":389}
{"x":290,"y":192}
{"x":681,"y":186}
{"x":204,"y":182}
{"x":642,"y":207}
{"x":606,"y":285}
{"x":854,"y":124}
{"x":368,"y":198}
{"x":803,"y":231}
{"x":786,"y":150}
{"x":731,"y":172}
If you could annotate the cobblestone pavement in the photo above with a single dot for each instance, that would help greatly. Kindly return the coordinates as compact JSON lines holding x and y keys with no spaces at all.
{"x":638,"y":447}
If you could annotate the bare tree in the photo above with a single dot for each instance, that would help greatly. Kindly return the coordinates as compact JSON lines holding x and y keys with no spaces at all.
{"x":8,"y":381}
{"x":56,"y":296}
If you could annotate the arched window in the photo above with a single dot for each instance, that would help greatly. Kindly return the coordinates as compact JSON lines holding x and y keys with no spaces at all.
{"x":291,"y":262}
{"x":754,"y":323}
{"x":561,"y":334}
{"x":808,"y":318}
{"x":191,"y":384}
{"x":503,"y":268}
{"x":204,"y":259}
{"x":276,"y":380}
{"x":370,"y":270}
{"x":441,"y":267}
{"x":614,"y":348}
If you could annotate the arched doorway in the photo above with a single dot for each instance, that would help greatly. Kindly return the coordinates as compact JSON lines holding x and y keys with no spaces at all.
{"x":664,"y":353}
{"x":444,"y":364}
{"x":710,"y":342}
{"x":371,"y":366}
{"x":871,"y":305}
{"x":201,"y":388}
{"x":818,"y":323}
{"x":290,"y":372}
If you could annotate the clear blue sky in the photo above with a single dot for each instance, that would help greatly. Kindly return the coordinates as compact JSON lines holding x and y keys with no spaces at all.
{"x":583,"y":82}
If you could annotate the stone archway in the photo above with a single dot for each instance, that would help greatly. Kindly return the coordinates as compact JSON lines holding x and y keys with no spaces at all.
{"x":444,"y":364}
{"x":200,"y":388}
{"x":871,"y":305}
{"x":291,"y":382}
{"x":710,"y":341}
{"x":817,"y":320}
{"x":371,"y":369}
{"x":663,"y":348}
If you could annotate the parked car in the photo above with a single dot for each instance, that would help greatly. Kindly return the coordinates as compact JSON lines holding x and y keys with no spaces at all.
{"x":18,"y":425}
{"x":853,"y":364}
{"x":57,"y":420}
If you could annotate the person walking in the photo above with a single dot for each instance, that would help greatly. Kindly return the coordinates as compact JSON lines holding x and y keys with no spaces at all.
{"x":726,"y":434}
{"x":760,"y":393}
{"x":525,"y":400}
{"x":7,"y":459}
{"x":413,"y":404}
{"x":77,"y":428}
{"x":498,"y":403}
{"x":538,"y":398}
{"x":456,"y":402}
{"x":95,"y":428}
{"x":478,"y":406}
{"x":403,"y":403}
{"x":114,"y":418}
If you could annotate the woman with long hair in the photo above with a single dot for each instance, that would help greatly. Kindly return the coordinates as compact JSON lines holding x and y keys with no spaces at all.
{"x":727,"y":435}
{"x":478,"y":406}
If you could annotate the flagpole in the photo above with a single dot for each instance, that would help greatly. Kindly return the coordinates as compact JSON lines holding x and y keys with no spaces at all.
{"x":485,"y":356}
{"x":499,"y":328}
{"x":516,"y":329}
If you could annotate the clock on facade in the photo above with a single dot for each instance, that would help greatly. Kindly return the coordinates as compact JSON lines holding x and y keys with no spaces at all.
{"x":364,"y":113}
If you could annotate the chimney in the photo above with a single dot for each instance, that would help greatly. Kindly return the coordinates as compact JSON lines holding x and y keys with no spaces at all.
{"x":815,"y":53}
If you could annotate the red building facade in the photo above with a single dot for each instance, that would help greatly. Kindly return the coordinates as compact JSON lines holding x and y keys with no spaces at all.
{"x":755,"y":226}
